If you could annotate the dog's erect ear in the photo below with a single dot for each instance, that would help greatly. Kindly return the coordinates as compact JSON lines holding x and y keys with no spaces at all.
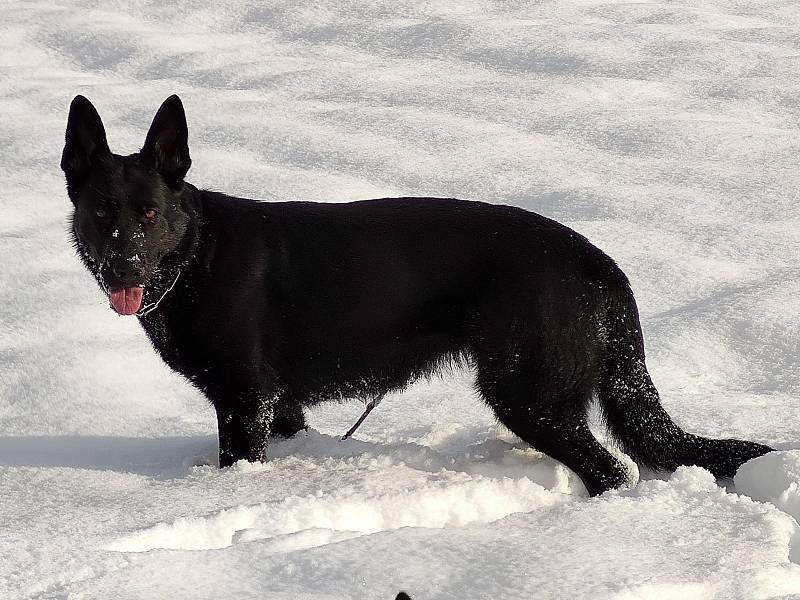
{"x":166,"y":148}
{"x":84,"y":143}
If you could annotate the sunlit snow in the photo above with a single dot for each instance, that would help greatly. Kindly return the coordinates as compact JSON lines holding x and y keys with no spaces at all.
{"x":666,"y":132}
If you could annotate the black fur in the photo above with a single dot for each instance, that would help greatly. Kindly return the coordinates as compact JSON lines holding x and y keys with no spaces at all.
{"x":277,"y":306}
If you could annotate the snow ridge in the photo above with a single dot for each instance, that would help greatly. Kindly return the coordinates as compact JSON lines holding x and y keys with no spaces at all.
{"x":346,"y":514}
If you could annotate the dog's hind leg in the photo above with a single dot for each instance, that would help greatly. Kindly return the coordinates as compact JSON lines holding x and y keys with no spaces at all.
{"x":552,"y":419}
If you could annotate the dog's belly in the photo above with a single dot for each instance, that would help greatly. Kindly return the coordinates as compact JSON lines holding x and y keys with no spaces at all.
{"x":376,"y":367}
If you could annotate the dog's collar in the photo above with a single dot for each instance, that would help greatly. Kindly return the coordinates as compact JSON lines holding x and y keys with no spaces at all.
{"x":154,"y":305}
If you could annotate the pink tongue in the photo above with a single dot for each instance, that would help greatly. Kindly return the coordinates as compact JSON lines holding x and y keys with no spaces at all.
{"x":126,"y":301}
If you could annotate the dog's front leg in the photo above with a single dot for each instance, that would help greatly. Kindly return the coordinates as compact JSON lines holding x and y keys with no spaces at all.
{"x":244,"y":423}
{"x":288,"y":417}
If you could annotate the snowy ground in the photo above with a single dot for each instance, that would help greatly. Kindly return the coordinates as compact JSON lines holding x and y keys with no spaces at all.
{"x":664,"y":131}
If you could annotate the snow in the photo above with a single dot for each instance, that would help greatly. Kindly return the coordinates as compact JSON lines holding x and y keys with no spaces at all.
{"x":776,"y":479}
{"x":667,"y":132}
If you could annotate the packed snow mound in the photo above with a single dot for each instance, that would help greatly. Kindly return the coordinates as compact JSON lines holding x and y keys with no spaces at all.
{"x":775,"y":478}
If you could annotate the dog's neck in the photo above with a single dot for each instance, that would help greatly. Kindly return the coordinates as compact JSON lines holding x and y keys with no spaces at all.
{"x":184,"y":254}
{"x":179,"y":262}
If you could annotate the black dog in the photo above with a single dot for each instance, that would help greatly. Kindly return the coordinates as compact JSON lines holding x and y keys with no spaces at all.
{"x":271,"y":307}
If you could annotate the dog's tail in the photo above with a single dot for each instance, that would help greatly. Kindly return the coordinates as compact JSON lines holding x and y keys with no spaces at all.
{"x":632,"y":410}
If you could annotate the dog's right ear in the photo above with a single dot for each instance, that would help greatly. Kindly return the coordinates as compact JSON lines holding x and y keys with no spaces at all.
{"x":84,"y":143}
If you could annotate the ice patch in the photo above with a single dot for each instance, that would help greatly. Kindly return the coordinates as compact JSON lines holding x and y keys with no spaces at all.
{"x":302,"y":522}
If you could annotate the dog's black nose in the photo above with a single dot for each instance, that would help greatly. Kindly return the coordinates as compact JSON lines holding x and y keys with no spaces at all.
{"x":124,"y":269}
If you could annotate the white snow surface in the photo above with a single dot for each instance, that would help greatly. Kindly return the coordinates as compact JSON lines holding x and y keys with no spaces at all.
{"x":666,"y":132}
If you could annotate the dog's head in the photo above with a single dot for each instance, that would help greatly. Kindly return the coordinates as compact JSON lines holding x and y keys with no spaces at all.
{"x":129,"y":211}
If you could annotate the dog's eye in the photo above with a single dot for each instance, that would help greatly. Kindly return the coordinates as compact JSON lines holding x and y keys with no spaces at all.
{"x":150,"y":214}
{"x":100,"y":213}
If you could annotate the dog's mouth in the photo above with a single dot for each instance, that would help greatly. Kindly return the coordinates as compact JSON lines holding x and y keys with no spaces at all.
{"x":126,"y":301}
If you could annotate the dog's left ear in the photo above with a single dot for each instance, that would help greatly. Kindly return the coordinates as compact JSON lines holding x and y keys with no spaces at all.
{"x":166,"y":147}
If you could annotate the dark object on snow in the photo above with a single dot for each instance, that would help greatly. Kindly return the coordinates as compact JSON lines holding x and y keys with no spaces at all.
{"x":367,"y":409}
{"x":269,"y":307}
{"x":402,"y":596}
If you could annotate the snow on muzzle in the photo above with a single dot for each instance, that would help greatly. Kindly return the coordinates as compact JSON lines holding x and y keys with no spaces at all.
{"x":310,"y":521}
